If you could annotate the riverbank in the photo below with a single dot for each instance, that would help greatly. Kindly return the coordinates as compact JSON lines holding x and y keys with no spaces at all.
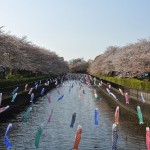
{"x":23,"y":97}
{"x":119,"y":99}
{"x":127,"y":82}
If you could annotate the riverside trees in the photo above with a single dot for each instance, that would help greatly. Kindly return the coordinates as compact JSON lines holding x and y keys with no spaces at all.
{"x":131,"y":60}
{"x":21,"y":56}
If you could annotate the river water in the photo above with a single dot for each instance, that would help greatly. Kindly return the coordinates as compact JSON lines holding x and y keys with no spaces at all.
{"x":57,"y":135}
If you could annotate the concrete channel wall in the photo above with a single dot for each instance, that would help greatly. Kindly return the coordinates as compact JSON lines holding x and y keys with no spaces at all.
{"x":134,"y":99}
{"x":23,"y":98}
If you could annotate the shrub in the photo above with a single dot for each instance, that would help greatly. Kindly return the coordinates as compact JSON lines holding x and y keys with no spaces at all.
{"x":131,"y":83}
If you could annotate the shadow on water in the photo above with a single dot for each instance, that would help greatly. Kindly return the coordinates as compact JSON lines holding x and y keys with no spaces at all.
{"x":57,"y":135}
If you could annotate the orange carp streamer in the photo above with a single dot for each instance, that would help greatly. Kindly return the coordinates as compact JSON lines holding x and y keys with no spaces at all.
{"x":117,"y":115}
{"x":77,"y":138}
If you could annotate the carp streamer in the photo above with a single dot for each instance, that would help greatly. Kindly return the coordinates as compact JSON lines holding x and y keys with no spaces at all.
{"x":38,"y":135}
{"x":73,"y":120}
{"x":77,"y":137}
{"x":114,"y":136}
{"x":117,"y":115}
{"x":140,"y":115}
{"x":148,"y":138}
{"x":6,"y":140}
{"x":96,"y":116}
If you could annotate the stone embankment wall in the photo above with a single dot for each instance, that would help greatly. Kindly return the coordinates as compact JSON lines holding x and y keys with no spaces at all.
{"x":135,"y":98}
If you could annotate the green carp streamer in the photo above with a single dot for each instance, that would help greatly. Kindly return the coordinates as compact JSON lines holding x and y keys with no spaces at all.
{"x":38,"y":135}
{"x":140,"y":115}
{"x":26,"y":114}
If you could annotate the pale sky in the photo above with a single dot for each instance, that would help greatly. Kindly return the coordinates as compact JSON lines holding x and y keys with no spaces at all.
{"x":77,"y":28}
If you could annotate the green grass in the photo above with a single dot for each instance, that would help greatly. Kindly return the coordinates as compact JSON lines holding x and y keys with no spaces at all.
{"x":131,"y":83}
{"x":12,"y":82}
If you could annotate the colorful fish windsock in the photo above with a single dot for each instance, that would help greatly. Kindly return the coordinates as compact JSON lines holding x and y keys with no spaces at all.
{"x":32,"y":98}
{"x":14,"y":97}
{"x":7,"y":143}
{"x":140,"y":115}
{"x":42,"y":91}
{"x":26,"y":114}
{"x":90,"y":78}
{"x":36,"y":86}
{"x":95,"y":94}
{"x":0,"y":98}
{"x":50,"y":116}
{"x":15,"y":90}
{"x":8,"y":128}
{"x":6,"y":140}
{"x":47,"y":83}
{"x":114,"y":136}
{"x":108,"y":90}
{"x":59,"y":98}
{"x":117,"y":115}
{"x":101,"y":82}
{"x":96,"y":116}
{"x":94,"y":82}
{"x":77,"y":137}
{"x":38,"y":135}
{"x":73,"y":120}
{"x":26,"y":86}
{"x":56,"y":82}
{"x":114,"y":96}
{"x":2,"y":109}
{"x":127,"y":98}
{"x":109,"y":86}
{"x":142,"y":97}
{"x":83,"y":91}
{"x":121,"y":91}
{"x":30,"y":91}
{"x":49,"y":98}
{"x":148,"y":138}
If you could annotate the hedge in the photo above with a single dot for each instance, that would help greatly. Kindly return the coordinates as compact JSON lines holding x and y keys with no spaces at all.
{"x":13,"y":82}
{"x":131,"y":83}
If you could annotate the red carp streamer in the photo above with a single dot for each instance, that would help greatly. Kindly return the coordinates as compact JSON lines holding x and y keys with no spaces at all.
{"x":148,"y":138}
{"x":77,"y":138}
{"x":117,"y":115}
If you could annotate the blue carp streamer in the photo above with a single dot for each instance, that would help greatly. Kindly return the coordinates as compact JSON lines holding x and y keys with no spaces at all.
{"x":14,"y":97}
{"x":15,"y":90}
{"x":142,"y":97}
{"x":73,"y":120}
{"x":42,"y":91}
{"x":6,"y":140}
{"x":59,"y":98}
{"x":114,"y":136}
{"x":96,"y":116}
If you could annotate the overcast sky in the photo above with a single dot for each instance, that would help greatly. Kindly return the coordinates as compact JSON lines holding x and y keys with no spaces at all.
{"x":77,"y":28}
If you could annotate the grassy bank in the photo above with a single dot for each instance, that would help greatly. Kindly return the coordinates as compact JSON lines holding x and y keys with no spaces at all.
{"x":131,"y":83}
{"x":12,"y":82}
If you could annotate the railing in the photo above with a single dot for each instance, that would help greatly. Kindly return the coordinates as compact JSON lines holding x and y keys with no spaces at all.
{"x":133,"y":93}
{"x":135,"y":98}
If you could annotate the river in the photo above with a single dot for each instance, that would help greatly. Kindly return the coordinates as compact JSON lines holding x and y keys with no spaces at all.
{"x":57,"y":135}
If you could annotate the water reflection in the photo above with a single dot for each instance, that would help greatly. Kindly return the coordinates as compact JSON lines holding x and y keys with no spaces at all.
{"x":57,"y":135}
